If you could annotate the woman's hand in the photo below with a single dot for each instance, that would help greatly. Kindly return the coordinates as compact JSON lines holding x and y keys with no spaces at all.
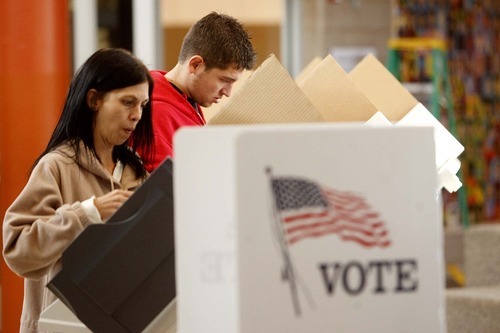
{"x":110,"y":202}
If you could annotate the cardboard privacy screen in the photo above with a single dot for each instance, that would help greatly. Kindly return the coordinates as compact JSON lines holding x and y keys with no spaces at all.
{"x":334,"y":94}
{"x":308,"y":69}
{"x":312,"y":228}
{"x":396,"y":103}
{"x":383,"y":90}
{"x":269,"y":95}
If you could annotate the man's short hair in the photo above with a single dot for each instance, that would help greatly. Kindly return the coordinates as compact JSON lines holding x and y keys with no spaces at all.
{"x":221,"y":40}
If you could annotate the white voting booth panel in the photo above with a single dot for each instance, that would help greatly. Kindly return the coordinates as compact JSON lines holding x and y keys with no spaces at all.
{"x":58,"y":318}
{"x":308,"y":228}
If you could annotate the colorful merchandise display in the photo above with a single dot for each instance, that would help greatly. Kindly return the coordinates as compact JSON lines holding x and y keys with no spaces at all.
{"x":471,"y":31}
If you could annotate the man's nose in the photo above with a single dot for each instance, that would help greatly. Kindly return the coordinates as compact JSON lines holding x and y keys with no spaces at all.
{"x":226,"y":91}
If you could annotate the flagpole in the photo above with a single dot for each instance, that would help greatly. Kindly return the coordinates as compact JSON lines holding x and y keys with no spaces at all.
{"x":285,"y":251}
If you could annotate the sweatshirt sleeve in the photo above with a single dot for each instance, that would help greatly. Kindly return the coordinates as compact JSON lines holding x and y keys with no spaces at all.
{"x":39,"y":226}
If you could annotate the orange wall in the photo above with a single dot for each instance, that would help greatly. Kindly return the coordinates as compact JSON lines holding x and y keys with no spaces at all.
{"x":35,"y":69}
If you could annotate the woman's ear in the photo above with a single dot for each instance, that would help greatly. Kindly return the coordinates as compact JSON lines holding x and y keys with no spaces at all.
{"x":93,"y":99}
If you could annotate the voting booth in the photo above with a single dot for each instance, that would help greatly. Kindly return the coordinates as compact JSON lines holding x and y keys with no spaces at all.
{"x":120,"y":276}
{"x":300,"y":208}
{"x":308,"y":228}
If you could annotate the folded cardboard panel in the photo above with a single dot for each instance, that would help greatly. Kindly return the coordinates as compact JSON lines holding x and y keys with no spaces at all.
{"x":269,"y":95}
{"x":402,"y":108}
{"x":382,"y":88}
{"x":334,"y":94}
{"x":308,"y":69}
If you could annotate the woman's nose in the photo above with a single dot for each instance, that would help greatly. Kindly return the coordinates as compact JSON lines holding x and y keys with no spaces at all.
{"x":136,"y":113}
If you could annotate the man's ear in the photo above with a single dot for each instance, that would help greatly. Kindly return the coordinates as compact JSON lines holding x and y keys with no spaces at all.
{"x":196,"y":63}
{"x":93,"y":99}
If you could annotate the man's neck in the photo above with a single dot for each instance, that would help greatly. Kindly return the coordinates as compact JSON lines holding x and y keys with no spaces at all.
{"x":176,"y":80}
{"x":176,"y":77}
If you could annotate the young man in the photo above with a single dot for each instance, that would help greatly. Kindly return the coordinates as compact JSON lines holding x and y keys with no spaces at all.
{"x":215,"y":52}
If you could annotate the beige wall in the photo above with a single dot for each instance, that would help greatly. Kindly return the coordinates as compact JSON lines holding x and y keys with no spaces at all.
{"x":261,"y":18}
{"x":324,"y":25}
{"x":349,"y":23}
{"x":255,"y":12}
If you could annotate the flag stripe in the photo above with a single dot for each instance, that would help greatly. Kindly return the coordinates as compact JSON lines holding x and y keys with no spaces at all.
{"x":338,"y":225}
{"x":382,"y":243}
{"x":299,"y":217}
{"x":344,"y":235}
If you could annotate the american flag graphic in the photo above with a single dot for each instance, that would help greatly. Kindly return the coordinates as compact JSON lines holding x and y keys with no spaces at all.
{"x":306,"y":210}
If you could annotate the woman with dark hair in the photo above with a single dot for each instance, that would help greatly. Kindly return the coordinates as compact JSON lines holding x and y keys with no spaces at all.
{"x":87,"y":171}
